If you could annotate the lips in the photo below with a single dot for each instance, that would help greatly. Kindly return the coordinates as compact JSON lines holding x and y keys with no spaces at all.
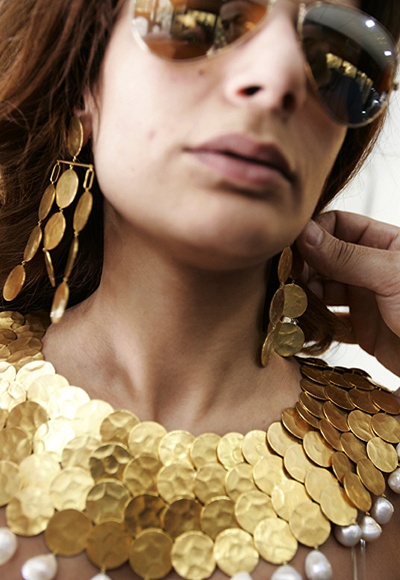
{"x":245,"y":160}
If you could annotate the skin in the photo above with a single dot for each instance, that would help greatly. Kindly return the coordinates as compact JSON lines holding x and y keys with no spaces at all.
{"x":173,"y":331}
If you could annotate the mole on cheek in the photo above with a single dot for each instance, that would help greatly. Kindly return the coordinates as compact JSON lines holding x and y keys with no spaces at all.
{"x":151,"y":134}
{"x":201,"y":72}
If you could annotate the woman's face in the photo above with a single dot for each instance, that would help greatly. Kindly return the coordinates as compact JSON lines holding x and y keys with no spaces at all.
{"x":221,"y":162}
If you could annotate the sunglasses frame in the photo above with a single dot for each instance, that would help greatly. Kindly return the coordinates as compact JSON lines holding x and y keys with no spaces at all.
{"x":302,"y":14}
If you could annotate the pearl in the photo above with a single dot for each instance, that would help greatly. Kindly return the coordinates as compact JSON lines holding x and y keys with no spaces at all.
{"x":394,"y":481}
{"x":242,"y":576}
{"x":286,"y":573}
{"x":348,"y":536}
{"x":382,"y":510}
{"x":105,"y":577}
{"x":318,"y":566}
{"x":371,"y":530}
{"x":40,"y":568}
{"x":8,"y":545}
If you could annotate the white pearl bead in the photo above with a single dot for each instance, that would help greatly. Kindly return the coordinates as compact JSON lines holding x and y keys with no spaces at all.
{"x":8,"y":545}
{"x":241,"y":576}
{"x":398,"y":450}
{"x":286,"y":573}
{"x":394,"y":481}
{"x":371,"y":530}
{"x":348,"y":536}
{"x":40,"y":568}
{"x":318,"y":566}
{"x":105,"y":577}
{"x":382,"y":510}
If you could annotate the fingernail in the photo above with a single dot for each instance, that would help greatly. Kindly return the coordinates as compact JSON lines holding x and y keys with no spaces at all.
{"x":314,"y":234}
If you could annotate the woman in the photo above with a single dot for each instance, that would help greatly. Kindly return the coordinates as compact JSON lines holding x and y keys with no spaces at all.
{"x":206,"y":171}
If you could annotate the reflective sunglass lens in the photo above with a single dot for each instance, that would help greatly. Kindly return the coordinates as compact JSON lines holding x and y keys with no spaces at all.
{"x":196,"y":28}
{"x":352,"y":60}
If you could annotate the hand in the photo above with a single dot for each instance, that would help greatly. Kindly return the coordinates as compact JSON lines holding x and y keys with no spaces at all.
{"x":354,"y":261}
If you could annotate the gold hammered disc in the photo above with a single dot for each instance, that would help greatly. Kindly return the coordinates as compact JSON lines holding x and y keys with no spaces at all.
{"x":175,"y":446}
{"x":67,"y":188}
{"x":143,"y":512}
{"x":150,"y":554}
{"x":89,"y":417}
{"x":254,"y":446}
{"x":286,"y":496}
{"x":279,"y":438}
{"x":315,"y":374}
{"x":193,"y":556}
{"x":363,"y":401}
{"x":371,"y":477}
{"x":276,"y":307}
{"x":359,"y":381}
{"x":309,"y":525}
{"x":238,"y":480}
{"x":70,"y":487}
{"x":312,"y":405}
{"x":386,"y":427}
{"x":251,"y":508}
{"x":49,"y":267}
{"x":52,"y":437}
{"x":75,"y":137}
{"x":294,"y":423}
{"x":317,"y":449}
{"x":210,"y":482}
{"x":28,"y":416}
{"x":47,"y":202}
{"x":337,"y":507}
{"x":145,"y":438}
{"x":54,"y":231}
{"x":285,"y":265}
{"x":108,"y":545}
{"x":10,"y":481}
{"x":235,"y":552}
{"x":117,"y":426}
{"x":295,"y":302}
{"x":306,"y":415}
{"x":204,"y":449}
{"x":339,"y":397}
{"x":39,"y":470}
{"x":15,"y":445}
{"x":356,"y":492}
{"x":176,"y":481}
{"x":314,"y":389}
{"x":360,"y":425}
{"x":78,"y":451}
{"x":229,"y":449}
{"x":82,"y":211}
{"x":14,"y":283}
{"x":289,"y":339}
{"x":109,"y":461}
{"x":341,"y":465}
{"x":29,"y":512}
{"x":218,"y":515}
{"x":297,"y":463}
{"x":382,"y":455}
{"x":183,"y":515}
{"x":330,"y":434}
{"x":32,"y":371}
{"x":335,"y":416}
{"x":274,"y":541}
{"x":33,"y":244}
{"x":268,"y":347}
{"x":107,"y":501}
{"x":317,"y":479}
{"x":140,"y":475}
{"x":267,"y":472}
{"x":67,"y":532}
{"x":386,"y":401}
{"x":353,"y":447}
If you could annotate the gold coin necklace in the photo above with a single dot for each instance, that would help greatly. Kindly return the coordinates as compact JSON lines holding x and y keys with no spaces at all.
{"x":97,"y":480}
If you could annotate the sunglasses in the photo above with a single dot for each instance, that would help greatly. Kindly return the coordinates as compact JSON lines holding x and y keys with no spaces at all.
{"x":351,"y":58}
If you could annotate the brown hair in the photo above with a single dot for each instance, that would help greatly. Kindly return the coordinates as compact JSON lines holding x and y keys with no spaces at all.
{"x":50,"y":52}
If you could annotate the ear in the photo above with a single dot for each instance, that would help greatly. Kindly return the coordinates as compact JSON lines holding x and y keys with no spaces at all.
{"x":85,"y":115}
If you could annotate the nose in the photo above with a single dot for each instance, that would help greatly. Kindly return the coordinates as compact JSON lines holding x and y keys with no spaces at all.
{"x":268,"y":71}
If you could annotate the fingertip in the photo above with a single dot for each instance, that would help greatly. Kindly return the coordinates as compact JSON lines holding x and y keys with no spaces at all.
{"x":313,"y":234}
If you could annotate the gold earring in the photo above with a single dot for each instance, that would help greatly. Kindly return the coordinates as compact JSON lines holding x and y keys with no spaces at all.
{"x":62,"y":191}
{"x":284,"y":335}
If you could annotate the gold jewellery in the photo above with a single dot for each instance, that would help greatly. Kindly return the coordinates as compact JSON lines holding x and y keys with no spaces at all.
{"x":284,"y":335}
{"x":100,"y":481}
{"x":63,"y":189}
